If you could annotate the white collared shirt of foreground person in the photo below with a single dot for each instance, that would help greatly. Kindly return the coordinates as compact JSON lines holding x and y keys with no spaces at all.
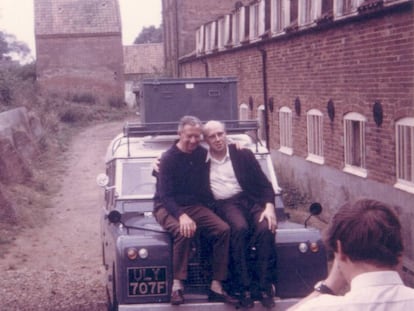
{"x":365,"y":239}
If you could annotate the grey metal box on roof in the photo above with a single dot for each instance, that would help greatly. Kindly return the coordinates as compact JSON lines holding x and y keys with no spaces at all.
{"x":167,"y":100}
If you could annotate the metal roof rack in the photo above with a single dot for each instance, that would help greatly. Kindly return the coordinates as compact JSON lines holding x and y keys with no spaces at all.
{"x":136,"y":129}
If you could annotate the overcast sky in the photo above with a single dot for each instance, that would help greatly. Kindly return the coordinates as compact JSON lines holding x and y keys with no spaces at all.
{"x":16,"y":17}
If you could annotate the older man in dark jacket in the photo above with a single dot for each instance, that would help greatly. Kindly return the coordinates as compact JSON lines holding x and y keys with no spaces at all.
{"x":245,"y":200}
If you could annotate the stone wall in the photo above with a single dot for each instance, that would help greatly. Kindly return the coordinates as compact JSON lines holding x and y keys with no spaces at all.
{"x":20,"y":134}
{"x":81,"y":65}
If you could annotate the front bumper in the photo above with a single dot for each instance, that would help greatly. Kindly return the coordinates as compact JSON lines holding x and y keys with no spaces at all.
{"x":281,"y":304}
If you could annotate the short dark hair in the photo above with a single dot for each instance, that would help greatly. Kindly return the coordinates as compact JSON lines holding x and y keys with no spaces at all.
{"x":189,"y":120}
{"x":369,"y":231}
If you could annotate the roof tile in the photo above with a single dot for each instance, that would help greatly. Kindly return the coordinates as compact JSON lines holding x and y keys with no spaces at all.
{"x":143,"y":58}
{"x":76,"y":17}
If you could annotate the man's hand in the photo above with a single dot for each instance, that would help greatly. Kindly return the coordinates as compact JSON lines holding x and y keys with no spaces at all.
{"x":156,"y":165}
{"x":238,"y":144}
{"x":270,"y":215}
{"x":187,"y":226}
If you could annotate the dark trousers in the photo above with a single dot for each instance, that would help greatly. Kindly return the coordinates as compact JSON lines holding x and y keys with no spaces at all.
{"x":248,"y":233}
{"x":212,"y":227}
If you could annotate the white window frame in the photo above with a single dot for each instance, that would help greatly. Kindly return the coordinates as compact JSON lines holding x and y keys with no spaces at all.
{"x":210,"y":36}
{"x":340,"y":10}
{"x":354,"y":142}
{"x":200,"y":40}
{"x":243,"y":112}
{"x":315,"y":136}
{"x":223,"y":25}
{"x":309,"y":11}
{"x":285,"y":130}
{"x":279,"y":16}
{"x":238,"y":26}
{"x":256,"y":20}
{"x":404,"y":148}
{"x":262,"y":122}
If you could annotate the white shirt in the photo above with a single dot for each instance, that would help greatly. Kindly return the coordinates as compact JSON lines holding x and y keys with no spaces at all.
{"x":376,"y":291}
{"x":223,"y":181}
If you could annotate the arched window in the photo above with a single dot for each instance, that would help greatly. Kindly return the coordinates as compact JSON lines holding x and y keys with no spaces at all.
{"x":261,"y":119}
{"x":354,"y":144}
{"x":315,"y":136}
{"x":404,"y":138}
{"x":243,"y":112}
{"x":285,"y":130}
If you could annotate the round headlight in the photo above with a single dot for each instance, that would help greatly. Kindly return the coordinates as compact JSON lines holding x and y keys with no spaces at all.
{"x":143,"y":253}
{"x":303,"y":247}
{"x":132,"y":253}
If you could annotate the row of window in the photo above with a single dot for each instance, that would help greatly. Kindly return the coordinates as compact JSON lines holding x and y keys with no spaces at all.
{"x":354,"y":142}
{"x":264,"y":18}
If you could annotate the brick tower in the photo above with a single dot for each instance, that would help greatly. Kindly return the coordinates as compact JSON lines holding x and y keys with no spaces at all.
{"x":79,"y":48}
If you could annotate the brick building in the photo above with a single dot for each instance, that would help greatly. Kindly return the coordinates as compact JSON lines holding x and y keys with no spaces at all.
{"x":79,"y":48}
{"x":332,"y":85}
{"x":180,"y":19}
{"x":141,"y":61}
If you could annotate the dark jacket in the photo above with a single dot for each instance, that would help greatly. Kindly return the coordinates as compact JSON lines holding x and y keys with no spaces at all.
{"x":182,"y":180}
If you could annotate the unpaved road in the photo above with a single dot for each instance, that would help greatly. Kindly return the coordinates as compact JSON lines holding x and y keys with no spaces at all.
{"x":58,"y":264}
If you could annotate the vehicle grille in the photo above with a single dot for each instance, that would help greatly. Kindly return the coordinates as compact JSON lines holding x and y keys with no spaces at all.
{"x":199,"y":268}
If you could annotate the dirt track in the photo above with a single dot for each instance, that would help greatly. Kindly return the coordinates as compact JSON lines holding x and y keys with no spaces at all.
{"x":58,"y":265}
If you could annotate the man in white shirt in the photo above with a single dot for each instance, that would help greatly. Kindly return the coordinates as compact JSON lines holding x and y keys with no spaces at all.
{"x":366,"y":242}
{"x":245,"y":200}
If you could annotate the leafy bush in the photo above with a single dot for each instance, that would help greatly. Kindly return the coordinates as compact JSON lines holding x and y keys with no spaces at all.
{"x":116,"y":102}
{"x":82,"y":98}
{"x":17,"y":83}
{"x":6,"y":88}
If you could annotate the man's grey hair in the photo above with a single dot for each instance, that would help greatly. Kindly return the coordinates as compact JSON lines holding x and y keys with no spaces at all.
{"x":189,"y":120}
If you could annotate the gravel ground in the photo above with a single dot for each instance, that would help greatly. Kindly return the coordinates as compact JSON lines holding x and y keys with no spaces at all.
{"x":57,"y":265}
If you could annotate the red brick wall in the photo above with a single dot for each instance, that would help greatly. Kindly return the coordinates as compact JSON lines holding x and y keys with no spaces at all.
{"x":83,"y":64}
{"x":354,"y":63}
{"x":180,"y":20}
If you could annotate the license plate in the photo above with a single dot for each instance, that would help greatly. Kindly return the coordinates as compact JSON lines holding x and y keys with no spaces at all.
{"x":147,"y":281}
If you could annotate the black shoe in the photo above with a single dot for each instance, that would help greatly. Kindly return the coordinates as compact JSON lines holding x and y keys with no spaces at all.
{"x":216,"y":297}
{"x":246,"y":300}
{"x":267,"y":300}
{"x":177,"y":297}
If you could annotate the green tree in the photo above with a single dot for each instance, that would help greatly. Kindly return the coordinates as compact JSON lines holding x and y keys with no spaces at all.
{"x":149,"y":34}
{"x":13,"y":75}
{"x":9,"y":46}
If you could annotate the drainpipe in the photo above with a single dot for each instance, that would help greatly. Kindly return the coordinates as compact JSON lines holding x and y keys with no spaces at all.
{"x":177,"y":41}
{"x":265,"y":95}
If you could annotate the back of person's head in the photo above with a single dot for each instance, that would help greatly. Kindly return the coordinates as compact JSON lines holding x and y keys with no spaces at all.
{"x":189,"y":120}
{"x":369,"y":231}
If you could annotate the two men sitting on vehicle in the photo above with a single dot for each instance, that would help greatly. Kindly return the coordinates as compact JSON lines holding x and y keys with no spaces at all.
{"x":224,"y":194}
